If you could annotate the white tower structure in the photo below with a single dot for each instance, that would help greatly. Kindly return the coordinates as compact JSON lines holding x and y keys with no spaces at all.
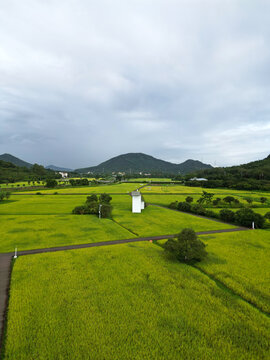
{"x":137,"y":202}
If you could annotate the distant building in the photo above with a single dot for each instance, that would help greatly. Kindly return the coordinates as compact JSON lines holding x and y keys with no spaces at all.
{"x":137,"y":202}
{"x":63,"y":174}
{"x":198,"y":179}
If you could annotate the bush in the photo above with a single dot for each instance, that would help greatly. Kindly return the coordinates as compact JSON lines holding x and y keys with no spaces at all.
{"x":267,"y":215}
{"x":186,"y":247}
{"x":198,"y":209}
{"x":92,"y":207}
{"x":184,"y":206}
{"x":81,"y":210}
{"x":227,"y":215}
{"x":263,"y":199}
{"x":51,"y":183}
{"x":216,"y":201}
{"x":229,"y":199}
{"x":211,"y":214}
{"x":189,"y":199}
{"x":173,"y":205}
{"x":245,"y":217}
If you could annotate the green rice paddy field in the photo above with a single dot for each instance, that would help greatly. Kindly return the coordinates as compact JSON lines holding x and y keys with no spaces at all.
{"x":130,"y":302}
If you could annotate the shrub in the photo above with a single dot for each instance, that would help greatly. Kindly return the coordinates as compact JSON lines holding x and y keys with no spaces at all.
{"x":229,"y":199}
{"x":246,"y":217}
{"x":211,"y":214}
{"x":91,"y":198}
{"x":198,"y":209}
{"x":186,"y":247}
{"x":80,"y":210}
{"x":189,"y":199}
{"x":227,"y":215}
{"x":38,"y":193}
{"x":267,"y":215}
{"x":51,"y":183}
{"x":184,"y":206}
{"x":263,"y":199}
{"x":173,"y":205}
{"x":216,"y":201}
{"x":92,"y":207}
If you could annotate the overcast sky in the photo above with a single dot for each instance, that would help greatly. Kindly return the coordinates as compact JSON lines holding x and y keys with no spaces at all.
{"x":82,"y":80}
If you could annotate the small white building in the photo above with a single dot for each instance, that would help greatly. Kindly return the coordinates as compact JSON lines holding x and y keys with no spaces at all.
{"x":137,"y":202}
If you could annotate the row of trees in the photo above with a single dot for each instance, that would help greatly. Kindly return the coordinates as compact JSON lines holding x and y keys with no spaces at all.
{"x":96,"y":206}
{"x":244,"y":216}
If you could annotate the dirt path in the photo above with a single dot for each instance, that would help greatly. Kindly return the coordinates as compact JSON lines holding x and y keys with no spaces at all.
{"x":5,"y":271}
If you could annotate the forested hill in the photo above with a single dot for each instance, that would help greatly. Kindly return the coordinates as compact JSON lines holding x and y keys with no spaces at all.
{"x":139,"y":162}
{"x":253,"y":175}
{"x":14,"y":160}
{"x":10,"y":173}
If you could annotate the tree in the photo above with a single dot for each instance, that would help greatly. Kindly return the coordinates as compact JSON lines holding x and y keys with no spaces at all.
{"x":91,"y":198}
{"x":206,"y":197}
{"x":105,"y":198}
{"x":227,"y":215}
{"x":249,"y":200}
{"x":189,"y":199}
{"x":267,"y":215}
{"x":198,"y":209}
{"x":184,"y":206}
{"x":186,"y":247}
{"x":246,"y":217}
{"x":106,"y":210}
{"x":51,"y":183}
{"x":263,"y":199}
{"x":229,"y":199}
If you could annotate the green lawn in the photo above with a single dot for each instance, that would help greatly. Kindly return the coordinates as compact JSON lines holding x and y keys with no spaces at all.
{"x":158,"y":221}
{"x":241,"y":261}
{"x":126,"y":302}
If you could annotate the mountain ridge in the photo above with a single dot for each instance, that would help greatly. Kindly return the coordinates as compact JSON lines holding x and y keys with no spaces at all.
{"x":140,"y":162}
{"x":15,"y":160}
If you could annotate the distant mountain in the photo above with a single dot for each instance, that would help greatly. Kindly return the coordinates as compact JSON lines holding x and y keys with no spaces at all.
{"x":138,"y":162}
{"x":257,"y":170}
{"x":57,"y":168}
{"x":14,"y":160}
{"x":10,"y":173}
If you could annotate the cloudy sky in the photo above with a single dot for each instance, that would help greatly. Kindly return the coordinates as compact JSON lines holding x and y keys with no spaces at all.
{"x":83,"y":80}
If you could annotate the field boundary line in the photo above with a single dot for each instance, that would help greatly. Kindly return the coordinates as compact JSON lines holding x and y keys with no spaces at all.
{"x":225,"y":287}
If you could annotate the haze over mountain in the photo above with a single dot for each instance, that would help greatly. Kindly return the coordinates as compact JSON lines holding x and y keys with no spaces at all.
{"x":58,"y":168}
{"x":139,"y":162}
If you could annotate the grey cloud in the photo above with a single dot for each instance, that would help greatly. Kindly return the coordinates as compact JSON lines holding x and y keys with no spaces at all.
{"x":83,"y":81}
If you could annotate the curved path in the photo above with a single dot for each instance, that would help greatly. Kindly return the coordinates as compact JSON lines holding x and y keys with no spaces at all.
{"x":6,"y":261}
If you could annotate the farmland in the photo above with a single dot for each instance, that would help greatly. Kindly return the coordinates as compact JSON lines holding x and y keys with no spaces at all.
{"x":126,"y":301}
{"x":131,"y":300}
